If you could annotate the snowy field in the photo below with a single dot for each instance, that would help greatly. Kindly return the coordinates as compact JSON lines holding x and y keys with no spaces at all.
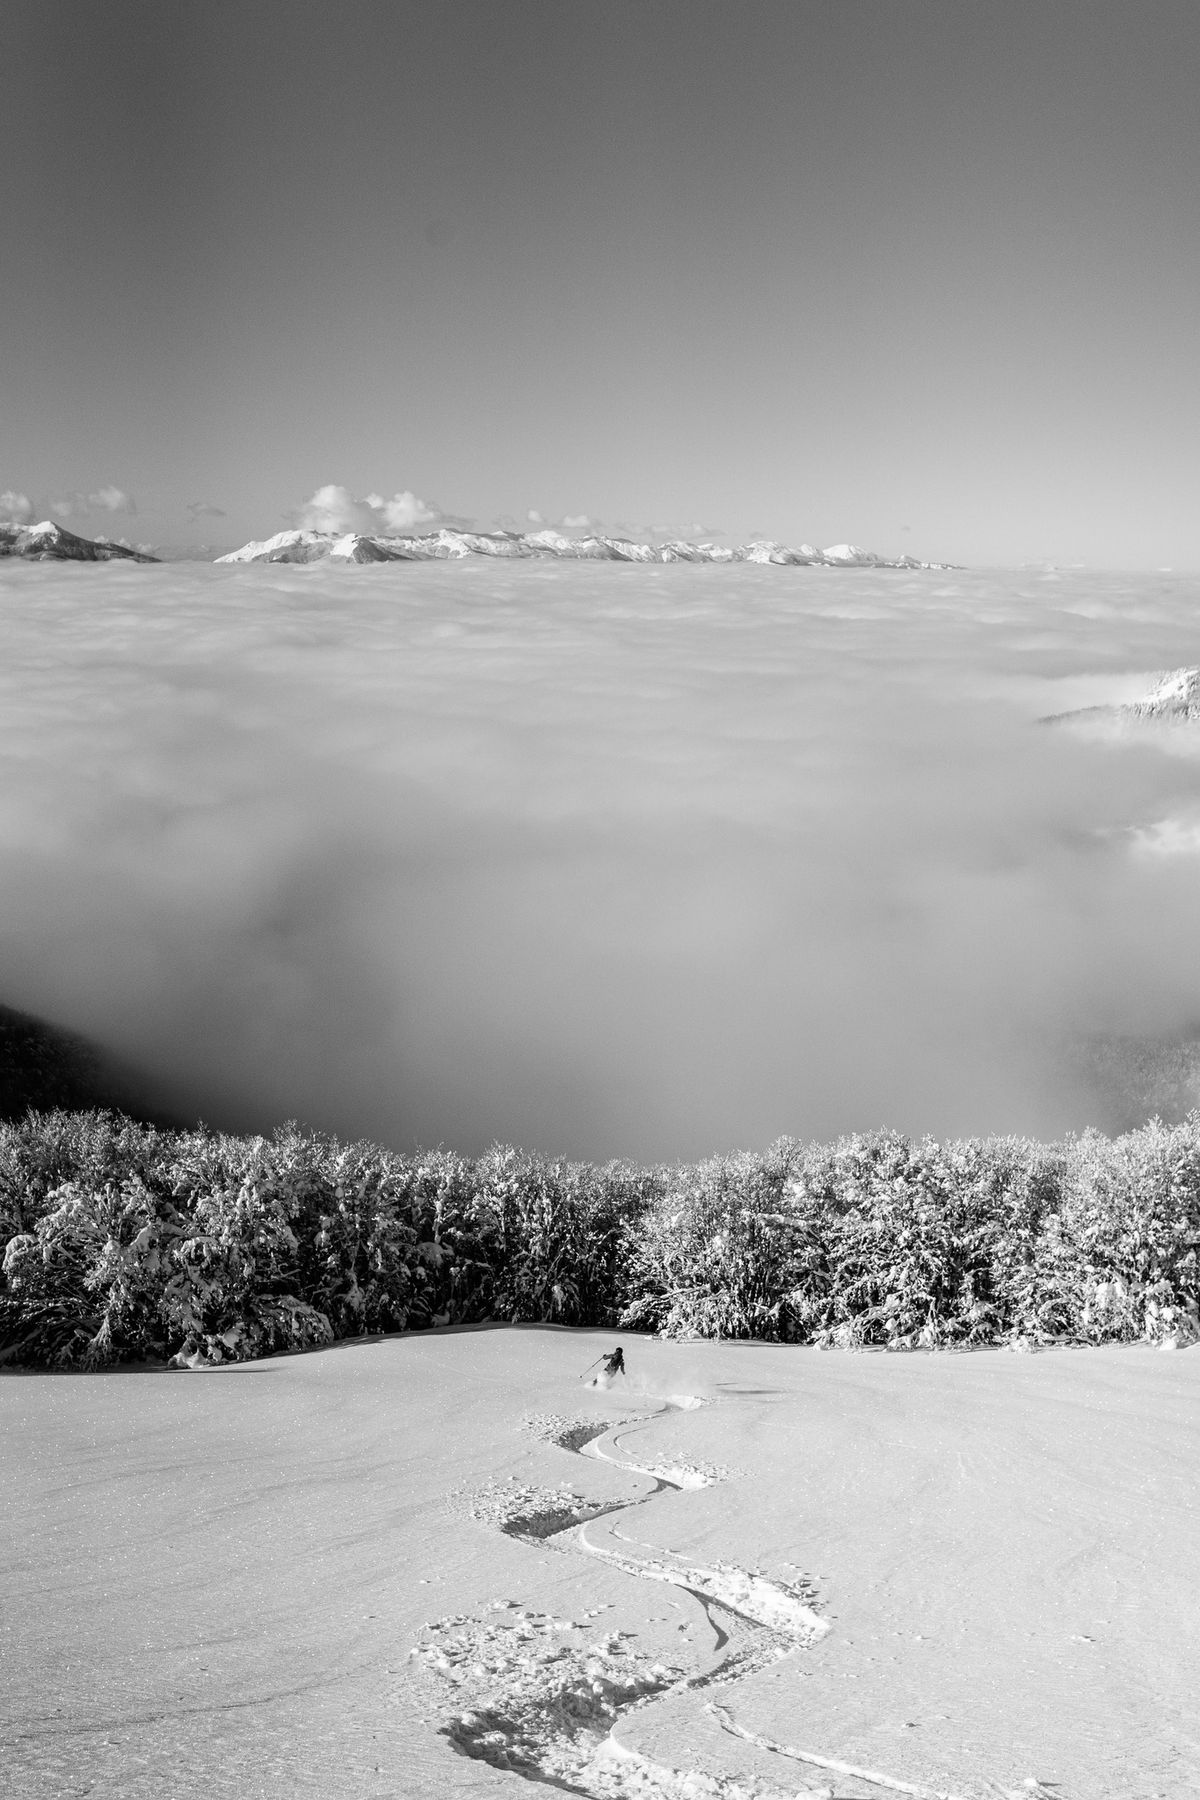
{"x":387,"y":1568}
{"x":601,"y":860}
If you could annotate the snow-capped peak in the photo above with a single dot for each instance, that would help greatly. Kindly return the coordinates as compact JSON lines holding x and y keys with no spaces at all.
{"x":271,"y":549}
{"x":51,"y":542}
{"x":849,"y":553}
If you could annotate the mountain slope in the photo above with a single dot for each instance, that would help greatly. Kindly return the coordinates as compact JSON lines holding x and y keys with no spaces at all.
{"x":45,"y":1067}
{"x":49,"y":542}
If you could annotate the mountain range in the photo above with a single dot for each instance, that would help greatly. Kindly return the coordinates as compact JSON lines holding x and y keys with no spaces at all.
{"x":351,"y":547}
{"x":50,"y":542}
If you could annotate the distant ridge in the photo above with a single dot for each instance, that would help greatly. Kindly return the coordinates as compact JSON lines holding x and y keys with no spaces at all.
{"x":1176,"y":696}
{"x":49,"y":542}
{"x":1174,"y":699}
{"x":443,"y":545}
{"x":45,"y":1067}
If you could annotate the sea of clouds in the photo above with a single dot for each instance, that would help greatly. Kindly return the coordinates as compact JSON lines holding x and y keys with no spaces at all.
{"x":598,"y":859}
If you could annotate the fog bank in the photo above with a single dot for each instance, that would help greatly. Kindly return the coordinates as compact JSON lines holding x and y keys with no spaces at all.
{"x":603,"y":860}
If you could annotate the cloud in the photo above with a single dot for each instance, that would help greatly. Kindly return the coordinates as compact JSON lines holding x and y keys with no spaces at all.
{"x":15,"y":509}
{"x":201,"y":509}
{"x":735,"y":869}
{"x":111,"y":499}
{"x":692,"y":531}
{"x":334,"y":508}
{"x":403,"y":512}
{"x":105,"y":499}
{"x":103,"y":537}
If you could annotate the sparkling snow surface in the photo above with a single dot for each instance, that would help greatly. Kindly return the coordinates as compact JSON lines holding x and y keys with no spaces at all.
{"x":600,"y":859}
{"x":425,"y":1567}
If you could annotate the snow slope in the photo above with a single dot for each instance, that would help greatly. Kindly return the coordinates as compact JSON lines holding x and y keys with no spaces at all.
{"x":391,"y":1567}
{"x":1175,"y":696}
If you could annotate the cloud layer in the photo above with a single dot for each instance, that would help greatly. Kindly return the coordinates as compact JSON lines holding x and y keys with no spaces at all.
{"x":607,"y":860}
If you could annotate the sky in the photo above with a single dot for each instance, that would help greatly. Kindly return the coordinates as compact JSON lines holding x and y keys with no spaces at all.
{"x":908,"y":273}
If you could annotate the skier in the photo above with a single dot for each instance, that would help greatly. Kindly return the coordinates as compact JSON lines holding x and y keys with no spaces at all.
{"x":611,"y":1366}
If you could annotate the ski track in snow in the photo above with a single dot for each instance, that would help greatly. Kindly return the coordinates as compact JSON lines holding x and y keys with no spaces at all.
{"x":544,"y":1697}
